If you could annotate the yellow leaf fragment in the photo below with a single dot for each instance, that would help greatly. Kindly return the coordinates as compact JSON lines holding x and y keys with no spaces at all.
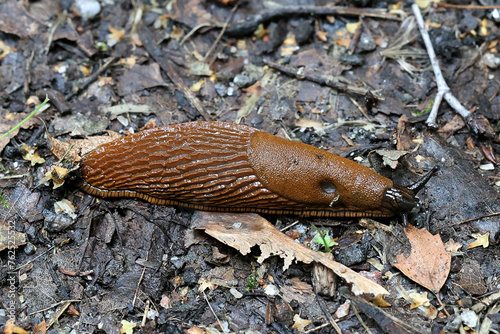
{"x":417,"y":300}
{"x":176,"y":33}
{"x":483,"y":27}
{"x":127,"y":327}
{"x":379,"y":301}
{"x":425,"y":3}
{"x":351,"y":27}
{"x":196,"y":87}
{"x":452,"y":246}
{"x":481,"y":240}
{"x":261,"y":32}
{"x":299,"y":324}
{"x":128,"y":62}
{"x":116,"y":35}
{"x":31,"y":155}
{"x":5,"y":50}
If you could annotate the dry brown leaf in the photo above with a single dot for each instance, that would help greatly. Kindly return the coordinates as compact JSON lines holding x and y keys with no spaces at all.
{"x":428,"y":263}
{"x":195,"y":330}
{"x":41,"y":328}
{"x":80,"y":146}
{"x":404,"y":135}
{"x":219,"y":276}
{"x":300,"y":286}
{"x":453,"y":126}
{"x":310,"y":123}
{"x":243,"y":231}
{"x":343,"y":310}
{"x":10,"y":328}
{"x":255,"y":89}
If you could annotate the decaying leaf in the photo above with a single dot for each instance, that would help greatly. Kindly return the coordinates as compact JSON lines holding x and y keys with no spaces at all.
{"x":428,"y":263}
{"x":81,"y":146}
{"x":219,"y":276}
{"x":200,"y":68}
{"x":481,"y":240}
{"x":243,"y":231}
{"x":310,"y":123}
{"x":391,"y":158}
{"x":65,"y":206}
{"x":57,"y":175}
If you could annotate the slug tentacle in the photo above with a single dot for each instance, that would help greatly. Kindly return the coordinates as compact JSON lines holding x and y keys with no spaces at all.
{"x":221,"y":166}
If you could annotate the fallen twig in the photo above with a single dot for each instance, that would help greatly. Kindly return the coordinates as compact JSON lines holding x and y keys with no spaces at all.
{"x":146,"y":37}
{"x":229,"y":18}
{"x":92,"y":77}
{"x":478,"y":124}
{"x":250,"y":24}
{"x":449,"y":5}
{"x":333,"y":82}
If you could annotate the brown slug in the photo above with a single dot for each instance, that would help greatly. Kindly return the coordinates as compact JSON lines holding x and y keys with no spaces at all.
{"x":217,"y":166}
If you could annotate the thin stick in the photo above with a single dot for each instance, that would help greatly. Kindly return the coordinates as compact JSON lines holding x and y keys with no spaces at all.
{"x":140,"y":280}
{"x":213,"y":312}
{"x":449,"y":5}
{"x":27,"y":118}
{"x":327,"y":314}
{"x":470,"y":220}
{"x":92,"y":77}
{"x":229,"y":18}
{"x":360,"y":109}
{"x":56,"y":304}
{"x":333,"y":82}
{"x":192,"y":31}
{"x":250,"y":23}
{"x":361,"y":319}
{"x":443,"y":89}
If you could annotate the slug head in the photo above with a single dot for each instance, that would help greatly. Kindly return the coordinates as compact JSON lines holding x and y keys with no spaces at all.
{"x":401,"y":199}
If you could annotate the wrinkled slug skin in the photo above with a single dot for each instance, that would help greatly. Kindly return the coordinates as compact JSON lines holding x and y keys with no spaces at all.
{"x":221,"y":166}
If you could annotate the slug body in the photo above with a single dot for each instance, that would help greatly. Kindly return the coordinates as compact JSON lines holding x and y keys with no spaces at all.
{"x":217,"y":166}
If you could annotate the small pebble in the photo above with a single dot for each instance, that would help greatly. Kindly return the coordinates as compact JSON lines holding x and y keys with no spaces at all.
{"x":271,"y":290}
{"x":366,"y":43}
{"x":87,"y":9}
{"x":491,"y":61}
{"x":236,"y":294}
{"x":469,"y":318}
{"x":487,"y":167}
